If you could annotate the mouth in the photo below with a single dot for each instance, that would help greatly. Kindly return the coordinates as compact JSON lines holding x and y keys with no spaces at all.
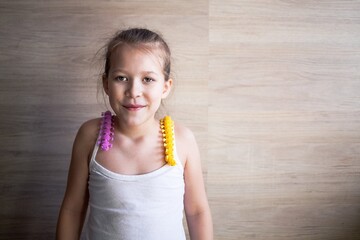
{"x":133,"y":107}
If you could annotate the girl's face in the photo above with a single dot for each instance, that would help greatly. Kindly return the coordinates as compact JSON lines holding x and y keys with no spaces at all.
{"x":135,"y":84}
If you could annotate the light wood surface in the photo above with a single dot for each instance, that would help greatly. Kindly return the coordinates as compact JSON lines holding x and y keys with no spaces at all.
{"x":283,"y":156}
{"x":270,"y":88}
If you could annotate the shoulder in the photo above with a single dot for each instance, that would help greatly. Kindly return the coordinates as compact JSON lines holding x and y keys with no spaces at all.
{"x":183,"y":133}
{"x":90,"y":127}
{"x":185,"y":142}
{"x":87,"y":135}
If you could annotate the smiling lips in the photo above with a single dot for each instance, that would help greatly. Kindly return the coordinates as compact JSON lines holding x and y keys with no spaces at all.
{"x":133,"y":107}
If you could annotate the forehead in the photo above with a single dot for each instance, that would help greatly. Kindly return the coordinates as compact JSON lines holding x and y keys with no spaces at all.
{"x":127,"y":55}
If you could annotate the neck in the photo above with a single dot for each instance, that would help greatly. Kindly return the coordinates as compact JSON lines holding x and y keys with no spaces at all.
{"x":136,"y":132}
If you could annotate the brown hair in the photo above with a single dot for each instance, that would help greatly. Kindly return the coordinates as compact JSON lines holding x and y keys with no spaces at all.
{"x":137,"y":37}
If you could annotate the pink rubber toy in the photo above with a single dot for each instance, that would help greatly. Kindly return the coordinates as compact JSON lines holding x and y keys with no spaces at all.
{"x":106,"y":135}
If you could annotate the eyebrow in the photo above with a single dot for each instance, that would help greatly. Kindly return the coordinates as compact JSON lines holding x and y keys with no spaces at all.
{"x":149,"y":72}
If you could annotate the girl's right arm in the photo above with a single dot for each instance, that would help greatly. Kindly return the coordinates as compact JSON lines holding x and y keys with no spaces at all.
{"x":74,"y":206}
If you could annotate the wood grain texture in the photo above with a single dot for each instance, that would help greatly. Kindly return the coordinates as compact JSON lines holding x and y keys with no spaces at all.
{"x":270,"y":89}
{"x":283,"y":120}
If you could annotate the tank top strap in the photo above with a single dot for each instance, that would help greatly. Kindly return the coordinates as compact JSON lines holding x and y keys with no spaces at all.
{"x":176,"y":155}
{"x":95,"y":150}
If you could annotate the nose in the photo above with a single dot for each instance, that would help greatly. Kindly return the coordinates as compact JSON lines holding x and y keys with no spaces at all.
{"x":134,"y":89}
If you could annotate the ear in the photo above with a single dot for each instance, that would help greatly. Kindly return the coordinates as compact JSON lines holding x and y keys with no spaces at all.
{"x":167,"y":88}
{"x":105,"y":84}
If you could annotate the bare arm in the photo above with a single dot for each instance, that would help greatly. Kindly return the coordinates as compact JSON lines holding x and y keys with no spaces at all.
{"x":197,"y":209}
{"x":74,"y":206}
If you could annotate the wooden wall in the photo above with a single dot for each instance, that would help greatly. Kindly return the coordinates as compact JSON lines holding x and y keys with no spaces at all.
{"x":270,"y":88}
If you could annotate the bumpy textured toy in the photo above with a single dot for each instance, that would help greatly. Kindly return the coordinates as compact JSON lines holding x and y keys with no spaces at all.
{"x":106,"y":135}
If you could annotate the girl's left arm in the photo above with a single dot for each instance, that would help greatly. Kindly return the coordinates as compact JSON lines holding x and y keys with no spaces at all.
{"x":197,"y":208}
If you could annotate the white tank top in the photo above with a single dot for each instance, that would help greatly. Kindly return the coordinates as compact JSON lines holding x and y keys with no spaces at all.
{"x":135,"y":207}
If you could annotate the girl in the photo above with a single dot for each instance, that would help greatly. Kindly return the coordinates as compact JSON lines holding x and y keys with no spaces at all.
{"x":134,"y":174}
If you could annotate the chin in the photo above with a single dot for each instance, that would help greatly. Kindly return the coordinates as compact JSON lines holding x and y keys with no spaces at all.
{"x":136,"y":119}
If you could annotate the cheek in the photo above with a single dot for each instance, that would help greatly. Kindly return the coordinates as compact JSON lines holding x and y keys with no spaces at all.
{"x":115,"y":90}
{"x":155,"y":95}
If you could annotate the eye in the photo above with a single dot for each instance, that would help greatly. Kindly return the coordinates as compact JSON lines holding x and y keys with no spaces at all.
{"x":148,"y":80}
{"x":121,"y":79}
